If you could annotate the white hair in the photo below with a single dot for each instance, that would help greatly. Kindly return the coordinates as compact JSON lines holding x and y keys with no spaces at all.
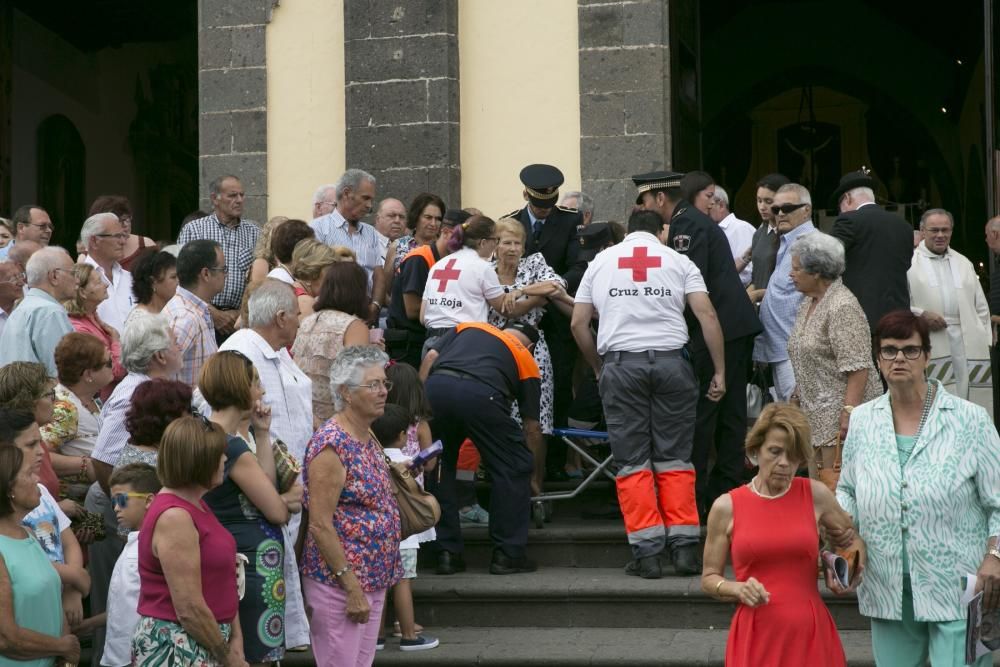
{"x":584,"y":202}
{"x":936,"y":211}
{"x":144,"y":336}
{"x":268,"y":300}
{"x":721,"y":195}
{"x":800,"y":190}
{"x":95,"y":225}
{"x":349,"y":367}
{"x":862,"y":194}
{"x":42,"y":263}
{"x":322,"y":190}
{"x":820,"y":254}
{"x":352,"y":179}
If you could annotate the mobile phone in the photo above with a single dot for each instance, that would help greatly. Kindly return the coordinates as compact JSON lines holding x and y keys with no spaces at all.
{"x":425,"y":455}
{"x":375,"y":335}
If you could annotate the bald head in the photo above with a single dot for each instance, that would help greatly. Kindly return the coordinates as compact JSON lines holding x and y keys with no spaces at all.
{"x":993,"y":234}
{"x":390,"y":218}
{"x":22,"y":251}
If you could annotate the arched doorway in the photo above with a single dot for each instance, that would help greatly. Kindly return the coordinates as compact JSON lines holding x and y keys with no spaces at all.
{"x":62,"y":178}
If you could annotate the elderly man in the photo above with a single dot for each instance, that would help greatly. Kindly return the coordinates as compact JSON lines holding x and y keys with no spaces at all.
{"x":324,"y":201}
{"x":21,"y":253}
{"x":201,"y":274}
{"x":878,"y":246}
{"x":390,"y":218}
{"x":738,"y":232}
{"x":238,"y":238}
{"x":104,"y":237}
{"x":582,"y":202}
{"x":271,"y":327}
{"x":792,"y":210}
{"x":148,"y":351}
{"x":37,"y":325}
{"x":31,"y":223}
{"x":945,"y":292}
{"x":355,"y":197}
{"x":11,"y":289}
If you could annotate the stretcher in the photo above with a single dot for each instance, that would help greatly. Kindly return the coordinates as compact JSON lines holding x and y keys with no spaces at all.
{"x":577,"y":439}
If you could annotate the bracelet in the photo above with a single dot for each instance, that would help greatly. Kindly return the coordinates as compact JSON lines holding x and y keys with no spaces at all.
{"x":848,"y":409}
{"x":718,"y":586}
{"x":83,"y":465}
{"x":376,"y":304}
{"x":342,"y":571}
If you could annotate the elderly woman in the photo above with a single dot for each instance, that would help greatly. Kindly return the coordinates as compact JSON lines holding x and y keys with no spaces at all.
{"x":135,"y":245}
{"x":830,"y":350}
{"x":91,"y":291}
{"x":351,"y":553}
{"x":310,"y":261}
{"x":423,"y":222}
{"x":774,"y":551}
{"x":32,"y":629}
{"x":188,"y":607}
{"x":921,"y":479}
{"x":154,"y":405}
{"x":247,"y":502}
{"x":154,"y":282}
{"x":339,"y":322}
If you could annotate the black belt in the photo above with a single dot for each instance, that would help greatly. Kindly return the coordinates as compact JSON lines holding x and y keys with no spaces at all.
{"x":648,"y":355}
{"x":403,"y":335}
{"x":438,"y":332}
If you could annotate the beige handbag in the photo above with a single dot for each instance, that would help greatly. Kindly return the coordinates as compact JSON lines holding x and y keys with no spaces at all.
{"x":418,"y":510}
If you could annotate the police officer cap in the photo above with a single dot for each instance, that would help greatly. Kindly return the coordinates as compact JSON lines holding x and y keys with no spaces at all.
{"x":542,"y":182}
{"x":594,"y":236}
{"x":455,"y":216}
{"x":655,"y":180}
{"x":530,"y":332}
{"x":856,"y":179}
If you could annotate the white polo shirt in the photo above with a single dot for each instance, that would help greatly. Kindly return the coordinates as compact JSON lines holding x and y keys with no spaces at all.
{"x":639,"y":288}
{"x":115,"y":309}
{"x":457,"y":289}
{"x":739,"y":233}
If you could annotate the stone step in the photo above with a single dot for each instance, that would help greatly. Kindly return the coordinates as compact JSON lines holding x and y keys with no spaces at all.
{"x":562,"y":543}
{"x":567,"y":597}
{"x":595,"y":646}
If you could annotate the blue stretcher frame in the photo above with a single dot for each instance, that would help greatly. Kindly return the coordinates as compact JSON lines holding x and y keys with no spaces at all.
{"x":568,"y":435}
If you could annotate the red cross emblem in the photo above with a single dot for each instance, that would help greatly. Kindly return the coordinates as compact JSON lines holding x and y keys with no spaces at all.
{"x":639,"y":262}
{"x":445,"y":275}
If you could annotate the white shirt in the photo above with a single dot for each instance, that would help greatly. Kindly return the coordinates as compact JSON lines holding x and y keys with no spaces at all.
{"x":281,"y":273}
{"x":3,"y":319}
{"x":739,"y":233}
{"x":457,"y":289}
{"x":123,"y":605}
{"x":115,"y":309}
{"x":639,"y":288}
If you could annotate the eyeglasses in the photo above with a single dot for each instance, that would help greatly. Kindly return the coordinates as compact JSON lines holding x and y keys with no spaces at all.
{"x":375,"y":386}
{"x":889,"y":352}
{"x":121,"y":236}
{"x":786,"y":208}
{"x":69,"y":271}
{"x":223,"y":269}
{"x":16,"y":279}
{"x":120,"y":500}
{"x":204,"y":421}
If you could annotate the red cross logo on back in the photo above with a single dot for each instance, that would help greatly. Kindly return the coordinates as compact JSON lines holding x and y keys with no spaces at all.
{"x":639,"y":262}
{"x":445,"y":275}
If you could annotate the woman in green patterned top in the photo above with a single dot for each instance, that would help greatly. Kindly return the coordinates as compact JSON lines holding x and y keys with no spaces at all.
{"x":921,"y":479}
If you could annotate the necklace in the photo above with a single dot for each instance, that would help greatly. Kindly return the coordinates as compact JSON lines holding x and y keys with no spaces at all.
{"x":928,"y":403}
{"x":753,"y":487}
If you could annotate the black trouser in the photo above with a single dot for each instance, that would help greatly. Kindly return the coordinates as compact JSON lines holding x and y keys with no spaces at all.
{"x":404,"y":346}
{"x":722,"y":425}
{"x":464,"y":407}
{"x":562,"y":349}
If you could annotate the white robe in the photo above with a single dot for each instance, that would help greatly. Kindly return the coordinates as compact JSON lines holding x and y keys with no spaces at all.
{"x":960,"y":354}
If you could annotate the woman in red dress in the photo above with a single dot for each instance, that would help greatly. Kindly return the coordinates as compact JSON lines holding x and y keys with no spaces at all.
{"x":770,"y":528}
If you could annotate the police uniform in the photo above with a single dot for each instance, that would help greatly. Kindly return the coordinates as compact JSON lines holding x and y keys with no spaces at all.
{"x":405,"y":337}
{"x":648,"y":388}
{"x":457,"y":290}
{"x":479,"y":371}
{"x":720,"y":425}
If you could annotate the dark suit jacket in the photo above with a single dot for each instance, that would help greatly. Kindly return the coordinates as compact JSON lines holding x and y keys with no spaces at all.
{"x":878,"y":247}
{"x":694,"y":234}
{"x":557,"y":242}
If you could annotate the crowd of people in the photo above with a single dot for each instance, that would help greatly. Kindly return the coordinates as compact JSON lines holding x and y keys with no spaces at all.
{"x":239,"y":396}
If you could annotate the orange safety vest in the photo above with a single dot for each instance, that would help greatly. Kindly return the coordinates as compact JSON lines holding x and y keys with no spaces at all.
{"x":526,"y":366}
{"x":425,"y":252}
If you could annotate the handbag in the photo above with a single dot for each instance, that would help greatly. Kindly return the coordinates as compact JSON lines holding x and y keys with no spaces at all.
{"x":757,"y":393}
{"x":286,"y":467}
{"x":418,"y":510}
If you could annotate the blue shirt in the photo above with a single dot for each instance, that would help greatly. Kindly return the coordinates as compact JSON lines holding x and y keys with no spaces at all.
{"x":781,"y":302}
{"x":334,"y":229}
{"x":34,"y":329}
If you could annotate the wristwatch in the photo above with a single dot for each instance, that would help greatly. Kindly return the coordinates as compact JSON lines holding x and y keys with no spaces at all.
{"x":994,"y":552}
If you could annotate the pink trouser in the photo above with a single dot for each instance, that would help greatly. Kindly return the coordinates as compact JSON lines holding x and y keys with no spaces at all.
{"x":336,"y":640}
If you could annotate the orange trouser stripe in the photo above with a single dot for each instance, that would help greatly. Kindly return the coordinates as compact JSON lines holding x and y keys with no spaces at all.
{"x":676,"y":491}
{"x":468,"y":456}
{"x":637,"y":499}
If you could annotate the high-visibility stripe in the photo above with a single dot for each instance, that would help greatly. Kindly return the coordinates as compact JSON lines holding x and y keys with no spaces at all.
{"x":526,"y":366}
{"x":425,"y":252}
{"x":468,"y":456}
{"x":675,"y":489}
{"x":637,"y":499}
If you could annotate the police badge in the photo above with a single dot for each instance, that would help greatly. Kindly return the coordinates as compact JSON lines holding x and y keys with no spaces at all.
{"x":682,"y":242}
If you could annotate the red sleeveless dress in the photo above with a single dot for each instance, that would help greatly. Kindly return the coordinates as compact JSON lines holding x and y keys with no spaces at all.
{"x":776,"y":542}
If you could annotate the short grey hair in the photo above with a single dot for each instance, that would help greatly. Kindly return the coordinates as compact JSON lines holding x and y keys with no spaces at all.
{"x":352,"y":179}
{"x":215,"y":187}
{"x":721,"y":195}
{"x":268,"y":300}
{"x":820,"y":254}
{"x":145,"y":334}
{"x":322,"y":190}
{"x":936,"y":211}
{"x":95,"y":225}
{"x":584,"y":202}
{"x":349,"y":367}
{"x":800,"y":190}
{"x":42,"y":263}
{"x":862,"y":194}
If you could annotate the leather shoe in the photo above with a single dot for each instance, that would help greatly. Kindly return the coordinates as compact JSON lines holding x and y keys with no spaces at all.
{"x":686,"y":560}
{"x":504,"y":564}
{"x":647,"y":567}
{"x":449,"y":563}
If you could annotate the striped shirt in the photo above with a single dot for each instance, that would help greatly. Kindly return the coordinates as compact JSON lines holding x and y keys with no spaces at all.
{"x":781,"y":302}
{"x":191,"y":323}
{"x":113,"y":436}
{"x":238,"y":243}
{"x":333,"y":229}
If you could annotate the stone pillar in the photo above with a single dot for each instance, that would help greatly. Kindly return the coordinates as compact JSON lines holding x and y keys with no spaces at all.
{"x":401,"y":59}
{"x":232,"y":84}
{"x":624,"y":98}
{"x":6,"y":106}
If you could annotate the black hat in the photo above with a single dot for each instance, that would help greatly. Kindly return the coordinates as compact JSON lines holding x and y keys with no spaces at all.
{"x":542,"y":182}
{"x":455,"y":216}
{"x":593,"y":238}
{"x":656,"y":180}
{"x":530,"y":332}
{"x":855,"y":179}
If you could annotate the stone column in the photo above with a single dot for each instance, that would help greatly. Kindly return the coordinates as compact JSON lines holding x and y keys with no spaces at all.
{"x":401,"y":60}
{"x":6,"y":106}
{"x":232,"y":83}
{"x":624,"y":98}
